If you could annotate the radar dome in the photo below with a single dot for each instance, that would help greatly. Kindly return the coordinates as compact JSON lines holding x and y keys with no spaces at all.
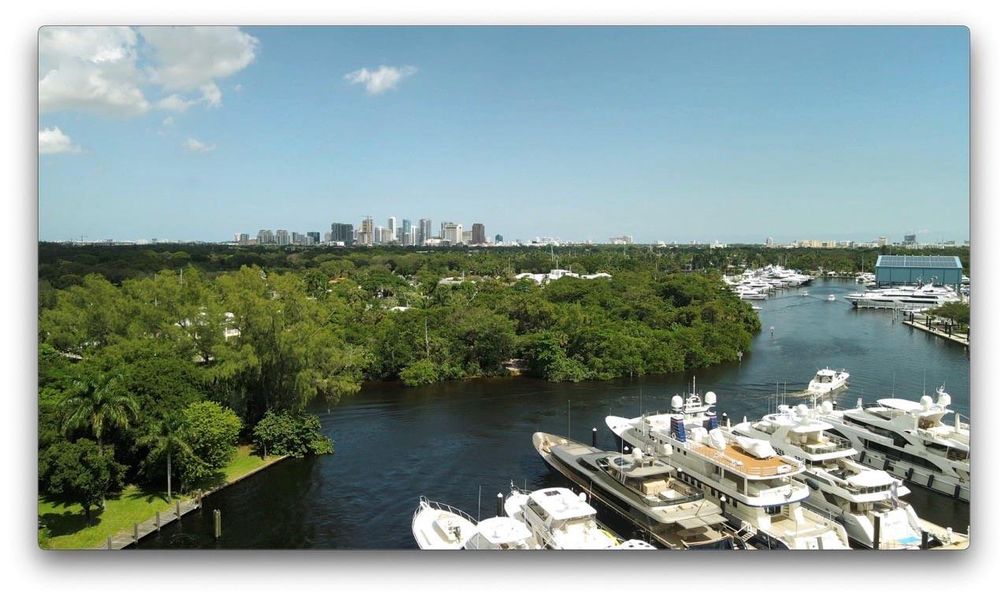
{"x":710,"y":398}
{"x":926,"y":401}
{"x":944,"y":399}
{"x":666,"y":449}
{"x":802,"y":410}
{"x":827,"y":406}
{"x":637,"y":454}
{"x":677,"y":401}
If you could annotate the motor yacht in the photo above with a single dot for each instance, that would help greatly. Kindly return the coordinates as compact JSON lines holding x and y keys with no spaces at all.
{"x":909,"y":440}
{"x":827,"y":380}
{"x":647,"y":493}
{"x":754,"y":485}
{"x":562,"y":520}
{"x":866,"y":501}
{"x":438,"y":526}
{"x":904,"y":297}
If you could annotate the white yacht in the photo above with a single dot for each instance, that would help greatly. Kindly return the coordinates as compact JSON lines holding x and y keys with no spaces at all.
{"x":827,"y":380}
{"x":909,"y":440}
{"x":754,"y":485}
{"x":562,"y":520}
{"x":438,"y":526}
{"x":904,"y":297}
{"x":645,"y":492}
{"x":865,"y":501}
{"x":747,"y":293}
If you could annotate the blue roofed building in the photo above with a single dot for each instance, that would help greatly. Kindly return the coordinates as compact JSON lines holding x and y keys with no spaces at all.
{"x":911,"y":270}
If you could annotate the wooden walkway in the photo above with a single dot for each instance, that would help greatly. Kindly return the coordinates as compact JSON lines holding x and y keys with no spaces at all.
{"x":182,"y":507}
{"x":936,"y":329}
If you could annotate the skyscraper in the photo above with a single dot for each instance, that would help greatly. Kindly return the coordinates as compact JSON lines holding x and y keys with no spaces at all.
{"x":314,"y":238}
{"x":343,"y":232}
{"x":478,"y":233}
{"x":404,"y":236}
{"x":498,"y":239}
{"x":282,"y":237}
{"x":424,"y":233}
{"x":367,"y":231}
{"x":265,"y":236}
{"x":452,"y":232}
{"x":392,"y":225}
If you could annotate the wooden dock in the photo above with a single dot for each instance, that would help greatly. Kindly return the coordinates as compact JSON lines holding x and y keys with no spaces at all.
{"x":182,"y":507}
{"x":937,"y":329}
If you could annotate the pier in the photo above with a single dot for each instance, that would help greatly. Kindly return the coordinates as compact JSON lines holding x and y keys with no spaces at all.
{"x":938,"y":328}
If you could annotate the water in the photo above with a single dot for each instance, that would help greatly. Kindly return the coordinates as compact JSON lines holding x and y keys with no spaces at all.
{"x":461,"y":443}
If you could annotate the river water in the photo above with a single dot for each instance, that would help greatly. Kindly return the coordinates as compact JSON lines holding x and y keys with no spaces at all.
{"x":461,"y":443}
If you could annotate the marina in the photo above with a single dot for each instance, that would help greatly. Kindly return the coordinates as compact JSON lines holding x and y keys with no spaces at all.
{"x":466,"y":442}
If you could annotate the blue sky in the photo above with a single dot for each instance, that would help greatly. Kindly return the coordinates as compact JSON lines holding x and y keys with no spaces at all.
{"x":668,"y":134}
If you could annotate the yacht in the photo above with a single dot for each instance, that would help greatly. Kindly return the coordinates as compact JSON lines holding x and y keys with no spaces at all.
{"x":562,"y":520}
{"x":747,"y":293}
{"x":904,"y":297}
{"x":754,"y":485}
{"x":909,"y":439}
{"x":865,"y":501}
{"x":827,"y":380}
{"x":647,"y":493}
{"x":438,"y":526}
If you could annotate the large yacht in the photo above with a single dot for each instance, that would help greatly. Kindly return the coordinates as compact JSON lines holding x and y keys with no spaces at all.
{"x":909,"y":439}
{"x":754,"y":485}
{"x":865,"y":501}
{"x":438,"y":526}
{"x":563,"y":520}
{"x":904,"y":297}
{"x":645,"y":492}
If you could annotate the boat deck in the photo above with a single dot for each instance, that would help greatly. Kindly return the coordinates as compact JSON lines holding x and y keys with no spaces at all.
{"x":736,"y":458}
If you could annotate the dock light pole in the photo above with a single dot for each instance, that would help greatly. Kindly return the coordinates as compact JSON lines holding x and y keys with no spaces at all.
{"x":500,"y":504}
{"x":595,"y":437}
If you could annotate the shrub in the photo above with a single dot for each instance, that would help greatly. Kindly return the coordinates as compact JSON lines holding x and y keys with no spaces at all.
{"x":283,"y":433}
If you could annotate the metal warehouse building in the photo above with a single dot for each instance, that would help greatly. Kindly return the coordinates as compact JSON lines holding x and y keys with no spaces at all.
{"x":910,"y":270}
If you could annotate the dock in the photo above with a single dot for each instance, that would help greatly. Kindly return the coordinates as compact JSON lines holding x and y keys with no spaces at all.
{"x":939,"y":330}
{"x":182,"y":507}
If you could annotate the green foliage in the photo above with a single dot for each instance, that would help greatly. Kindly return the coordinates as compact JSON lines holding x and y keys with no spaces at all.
{"x":78,"y":473}
{"x":284,"y":433}
{"x":210,"y":431}
{"x":422,"y":372}
{"x":959,"y":312}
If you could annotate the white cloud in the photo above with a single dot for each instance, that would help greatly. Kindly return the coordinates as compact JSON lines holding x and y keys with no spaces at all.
{"x":194,"y":145}
{"x":91,"y":69}
{"x":95,"y":69}
{"x":381,"y":80}
{"x":189,"y":58}
{"x":168,"y":122}
{"x":54,"y":141}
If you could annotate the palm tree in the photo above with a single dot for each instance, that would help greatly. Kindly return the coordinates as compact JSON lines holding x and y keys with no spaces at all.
{"x":165,"y":439}
{"x":99,"y":402}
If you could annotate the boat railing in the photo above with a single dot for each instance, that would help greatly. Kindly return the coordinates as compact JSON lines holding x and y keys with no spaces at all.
{"x":445,"y":507}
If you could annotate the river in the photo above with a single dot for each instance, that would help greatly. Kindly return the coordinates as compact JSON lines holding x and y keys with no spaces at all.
{"x":463,"y":442}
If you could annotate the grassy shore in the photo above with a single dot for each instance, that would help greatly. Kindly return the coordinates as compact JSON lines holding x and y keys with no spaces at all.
{"x":68,"y":528}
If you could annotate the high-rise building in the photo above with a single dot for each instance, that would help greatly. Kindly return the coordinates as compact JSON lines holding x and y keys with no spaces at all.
{"x":478,"y":234}
{"x":392,"y":225}
{"x":314,"y":238}
{"x":498,"y":239}
{"x":298,"y":239}
{"x":265,"y":236}
{"x":243,"y":239}
{"x":415,"y":239}
{"x":452,"y":232}
{"x":367,"y":232}
{"x":424,"y":233}
{"x":282,"y":237}
{"x":405,"y":233}
{"x":467,"y":237}
{"x":343,"y":232}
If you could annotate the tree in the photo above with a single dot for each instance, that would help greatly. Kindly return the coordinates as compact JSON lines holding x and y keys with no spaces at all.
{"x":79,"y":473}
{"x":283,"y":433}
{"x":166,"y":438}
{"x":211,"y":432}
{"x":98,"y":401}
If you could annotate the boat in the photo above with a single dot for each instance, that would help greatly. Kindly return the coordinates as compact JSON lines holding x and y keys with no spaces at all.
{"x":909,"y":440}
{"x":831,"y":298}
{"x":804,"y":293}
{"x":912,"y":298}
{"x":646,"y":493}
{"x":757,"y":490}
{"x":866,"y":501}
{"x":562,"y":520}
{"x":827,"y":380}
{"x":438,"y":526}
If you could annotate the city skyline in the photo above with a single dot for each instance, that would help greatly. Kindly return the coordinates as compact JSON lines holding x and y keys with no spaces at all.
{"x":734,"y":134}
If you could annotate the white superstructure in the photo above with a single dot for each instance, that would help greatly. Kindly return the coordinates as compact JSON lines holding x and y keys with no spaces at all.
{"x":904,"y":297}
{"x":754,"y":485}
{"x":909,"y":439}
{"x":858,"y":497}
{"x":827,"y":380}
{"x":438,"y":526}
{"x":561,"y":520}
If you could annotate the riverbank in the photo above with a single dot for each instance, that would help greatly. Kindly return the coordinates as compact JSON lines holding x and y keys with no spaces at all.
{"x":68,"y":529}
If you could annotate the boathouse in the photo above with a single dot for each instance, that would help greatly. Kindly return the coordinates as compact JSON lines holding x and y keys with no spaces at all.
{"x":910,"y":270}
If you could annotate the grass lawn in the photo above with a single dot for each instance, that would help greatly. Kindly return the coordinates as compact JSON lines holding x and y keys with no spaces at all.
{"x":67,"y":526}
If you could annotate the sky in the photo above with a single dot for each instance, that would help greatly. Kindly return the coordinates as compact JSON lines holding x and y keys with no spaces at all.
{"x":733,"y":134}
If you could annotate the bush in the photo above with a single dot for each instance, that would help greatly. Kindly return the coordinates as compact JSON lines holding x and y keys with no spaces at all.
{"x":283,"y":433}
{"x":212,"y":433}
{"x":421,"y":372}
